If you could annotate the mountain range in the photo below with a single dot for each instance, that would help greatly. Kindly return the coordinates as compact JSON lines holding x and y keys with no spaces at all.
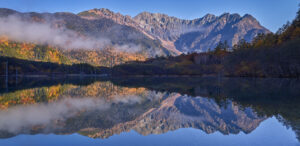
{"x":179,"y":35}
{"x":136,"y":38}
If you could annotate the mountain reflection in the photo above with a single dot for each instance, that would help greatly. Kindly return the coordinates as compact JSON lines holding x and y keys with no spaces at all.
{"x":102,"y":107}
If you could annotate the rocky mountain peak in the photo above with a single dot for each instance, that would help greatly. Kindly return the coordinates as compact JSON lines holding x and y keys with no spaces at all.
{"x":104,"y":11}
{"x":208,"y":17}
{"x":250,"y":18}
{"x":99,"y":13}
{"x":229,"y":18}
{"x":108,"y":14}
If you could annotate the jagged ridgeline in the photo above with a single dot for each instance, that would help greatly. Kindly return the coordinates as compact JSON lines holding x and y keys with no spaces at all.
{"x":126,"y":38}
{"x":179,"y":35}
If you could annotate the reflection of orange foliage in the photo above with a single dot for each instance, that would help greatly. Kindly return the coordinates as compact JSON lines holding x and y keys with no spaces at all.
{"x":53,"y":93}
{"x":105,"y":90}
{"x":31,"y":96}
{"x":109,"y":91}
{"x":132,"y":91}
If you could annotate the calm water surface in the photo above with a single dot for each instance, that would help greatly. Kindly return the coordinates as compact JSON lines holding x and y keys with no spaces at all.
{"x":149,"y":111}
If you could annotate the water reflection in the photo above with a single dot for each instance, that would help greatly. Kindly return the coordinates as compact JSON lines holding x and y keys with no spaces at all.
{"x":103,"y":107}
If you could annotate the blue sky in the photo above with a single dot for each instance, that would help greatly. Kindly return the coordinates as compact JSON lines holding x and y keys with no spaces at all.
{"x":271,"y":13}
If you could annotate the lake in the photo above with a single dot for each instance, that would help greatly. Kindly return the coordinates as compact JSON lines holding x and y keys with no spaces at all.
{"x":148,"y":111}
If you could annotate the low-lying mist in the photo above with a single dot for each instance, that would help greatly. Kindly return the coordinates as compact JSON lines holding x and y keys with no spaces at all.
{"x":18,"y":118}
{"x":17,"y":29}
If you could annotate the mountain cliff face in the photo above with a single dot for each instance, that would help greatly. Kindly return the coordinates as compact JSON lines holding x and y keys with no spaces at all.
{"x":97,"y":14}
{"x":202,"y":33}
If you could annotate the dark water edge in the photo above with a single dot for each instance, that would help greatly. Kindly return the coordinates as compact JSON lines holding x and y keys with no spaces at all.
{"x":12,"y":83}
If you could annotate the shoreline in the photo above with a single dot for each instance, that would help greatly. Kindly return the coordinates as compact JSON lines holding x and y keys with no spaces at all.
{"x":60,"y":75}
{"x":139,"y":76}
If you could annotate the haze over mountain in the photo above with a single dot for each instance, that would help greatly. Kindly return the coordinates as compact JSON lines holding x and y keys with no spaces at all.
{"x":145,"y":29}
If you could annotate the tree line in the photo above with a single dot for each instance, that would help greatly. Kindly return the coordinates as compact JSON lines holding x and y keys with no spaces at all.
{"x":14,"y":66}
